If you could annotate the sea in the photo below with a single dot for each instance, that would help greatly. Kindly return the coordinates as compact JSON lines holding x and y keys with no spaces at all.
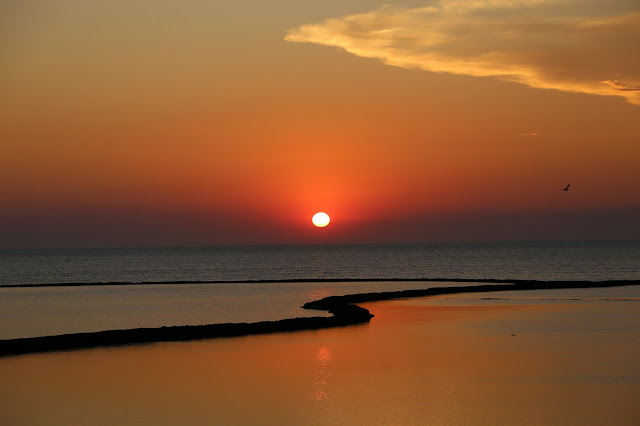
{"x":58,"y":291}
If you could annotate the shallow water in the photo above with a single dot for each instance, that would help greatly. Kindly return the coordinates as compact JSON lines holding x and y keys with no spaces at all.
{"x":36,"y":311}
{"x":538,"y":357}
{"x":42,"y":311}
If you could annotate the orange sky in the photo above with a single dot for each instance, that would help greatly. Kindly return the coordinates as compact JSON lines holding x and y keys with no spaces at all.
{"x":205,"y":123}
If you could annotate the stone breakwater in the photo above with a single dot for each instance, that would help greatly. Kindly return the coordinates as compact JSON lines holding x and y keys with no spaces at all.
{"x":343,"y":309}
{"x":343,"y":315}
{"x":328,"y":302}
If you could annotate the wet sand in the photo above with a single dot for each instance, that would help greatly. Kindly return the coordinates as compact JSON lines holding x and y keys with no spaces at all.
{"x":481,"y":359}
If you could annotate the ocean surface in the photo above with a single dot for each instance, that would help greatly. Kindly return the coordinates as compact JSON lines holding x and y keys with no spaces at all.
{"x":600,"y":260}
{"x":204,"y":285}
{"x":544,"y":357}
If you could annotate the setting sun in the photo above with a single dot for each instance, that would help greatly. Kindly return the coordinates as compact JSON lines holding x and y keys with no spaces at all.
{"x":320,"y":219}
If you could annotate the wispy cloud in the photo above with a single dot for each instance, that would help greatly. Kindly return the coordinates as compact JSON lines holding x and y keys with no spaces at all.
{"x":569,"y":45}
{"x":621,"y":87}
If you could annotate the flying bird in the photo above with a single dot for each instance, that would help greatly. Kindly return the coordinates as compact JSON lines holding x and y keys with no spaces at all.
{"x":567,"y":188}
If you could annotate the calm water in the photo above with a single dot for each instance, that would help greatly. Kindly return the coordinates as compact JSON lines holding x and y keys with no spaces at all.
{"x":538,"y":260}
{"x":544,"y":357}
{"x":38,"y":311}
{"x":561,"y":356}
{"x":35,"y":311}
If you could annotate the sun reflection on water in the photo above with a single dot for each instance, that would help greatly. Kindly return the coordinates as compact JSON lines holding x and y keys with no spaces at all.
{"x":323,"y":372}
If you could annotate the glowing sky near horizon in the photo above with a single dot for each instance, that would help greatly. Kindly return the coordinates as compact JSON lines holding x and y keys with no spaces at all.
{"x":178,"y":123}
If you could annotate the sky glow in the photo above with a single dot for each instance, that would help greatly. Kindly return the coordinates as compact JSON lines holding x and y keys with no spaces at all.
{"x":208,"y":123}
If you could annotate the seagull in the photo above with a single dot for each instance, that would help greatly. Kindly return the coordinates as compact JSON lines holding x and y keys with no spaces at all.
{"x":567,"y":188}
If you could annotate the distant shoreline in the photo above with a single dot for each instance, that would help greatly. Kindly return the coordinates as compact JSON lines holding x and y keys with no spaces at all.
{"x":343,"y":309}
{"x":297,"y":280}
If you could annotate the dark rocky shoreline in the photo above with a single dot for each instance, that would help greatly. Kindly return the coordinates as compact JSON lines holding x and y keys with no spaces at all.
{"x":343,"y":308}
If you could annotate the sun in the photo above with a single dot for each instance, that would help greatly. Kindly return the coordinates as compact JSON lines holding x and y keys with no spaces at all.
{"x":320,"y":219}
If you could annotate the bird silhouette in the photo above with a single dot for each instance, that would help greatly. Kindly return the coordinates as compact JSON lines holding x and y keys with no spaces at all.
{"x":567,"y":188}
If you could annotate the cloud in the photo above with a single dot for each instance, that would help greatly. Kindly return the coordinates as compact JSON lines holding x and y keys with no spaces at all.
{"x":570,"y":45}
{"x":621,"y":87}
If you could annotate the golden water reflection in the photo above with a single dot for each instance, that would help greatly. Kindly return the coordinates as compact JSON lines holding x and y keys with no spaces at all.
{"x":322,"y":373}
{"x":417,"y":362}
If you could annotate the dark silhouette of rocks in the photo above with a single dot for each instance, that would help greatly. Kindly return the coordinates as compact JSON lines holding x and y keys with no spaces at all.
{"x":343,"y":316}
{"x":293,"y":280}
{"x":343,"y":308}
{"x":328,"y":302}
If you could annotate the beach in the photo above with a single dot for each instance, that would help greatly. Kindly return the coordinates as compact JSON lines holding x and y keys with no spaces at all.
{"x":524,"y":357}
